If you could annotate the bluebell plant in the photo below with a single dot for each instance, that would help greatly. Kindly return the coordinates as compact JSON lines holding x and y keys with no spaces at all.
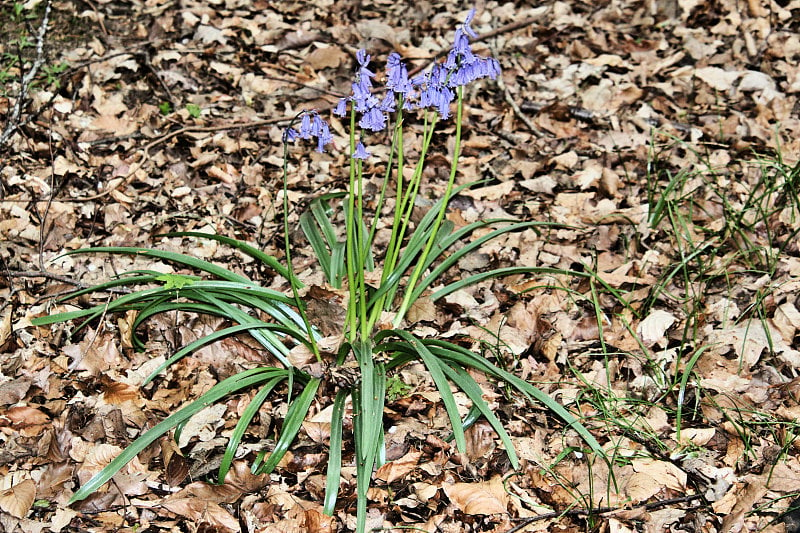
{"x":411,"y":265}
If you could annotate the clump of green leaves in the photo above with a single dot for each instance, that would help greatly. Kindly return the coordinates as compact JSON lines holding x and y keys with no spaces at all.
{"x":381,"y":284}
{"x":193,"y":110}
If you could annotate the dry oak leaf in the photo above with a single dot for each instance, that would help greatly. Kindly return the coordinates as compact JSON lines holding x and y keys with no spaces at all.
{"x":397,"y":469}
{"x":203,"y":511}
{"x":663,"y":473}
{"x":486,"y":497}
{"x":326,"y":57}
{"x":18,"y":500}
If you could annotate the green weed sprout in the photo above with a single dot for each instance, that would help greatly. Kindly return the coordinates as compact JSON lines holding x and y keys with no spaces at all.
{"x":410,"y":267}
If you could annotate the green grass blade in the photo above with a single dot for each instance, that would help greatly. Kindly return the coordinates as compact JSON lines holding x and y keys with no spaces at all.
{"x":317,"y":242}
{"x":393,"y":280}
{"x":247,"y":249}
{"x":465,"y":357}
{"x":165,"y":307}
{"x":434,"y":366}
{"x":467,"y":248}
{"x":208,"y":339}
{"x":368,"y":401}
{"x":172,"y":257}
{"x":465,"y":382}
{"x":265,"y":337}
{"x":338,"y":267}
{"x":322,"y":213}
{"x":687,"y":372}
{"x":232,"y":384}
{"x":137,"y":277}
{"x":245,"y":297}
{"x":98,"y":310}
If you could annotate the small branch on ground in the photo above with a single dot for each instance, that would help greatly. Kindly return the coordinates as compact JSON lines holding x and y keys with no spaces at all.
{"x":43,"y":274}
{"x":16,"y":112}
{"x":510,"y":101}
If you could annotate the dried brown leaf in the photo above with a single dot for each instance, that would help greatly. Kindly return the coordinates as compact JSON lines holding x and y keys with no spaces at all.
{"x":399,"y":468}
{"x":482,"y":498}
{"x":18,"y":499}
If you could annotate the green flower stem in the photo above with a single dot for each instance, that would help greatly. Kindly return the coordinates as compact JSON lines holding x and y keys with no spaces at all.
{"x":288,"y":251}
{"x":407,"y":203}
{"x":407,"y":300}
{"x":403,"y":210}
{"x":363,"y":243}
{"x":390,"y":257}
{"x":397,"y":132}
{"x":350,"y":246}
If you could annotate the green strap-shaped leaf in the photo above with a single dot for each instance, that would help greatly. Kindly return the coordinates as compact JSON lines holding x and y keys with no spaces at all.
{"x":172,"y":257}
{"x":368,"y":401}
{"x":298,"y":409}
{"x":465,"y":382}
{"x":253,"y":252}
{"x":208,"y":339}
{"x":434,"y":366}
{"x":334,"y":474}
{"x":234,"y":383}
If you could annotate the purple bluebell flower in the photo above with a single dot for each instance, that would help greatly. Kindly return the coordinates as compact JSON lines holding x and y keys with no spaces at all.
{"x":362,"y":86}
{"x":341,"y":108}
{"x":321,"y":131}
{"x":397,"y":75}
{"x":311,"y":125}
{"x":466,"y":28}
{"x":361,"y":152}
{"x":433,"y":91}
{"x":305,"y":126}
{"x":387,"y":104}
{"x":462,"y":64}
{"x":373,"y":119}
{"x":290,"y":135}
{"x":363,"y":60}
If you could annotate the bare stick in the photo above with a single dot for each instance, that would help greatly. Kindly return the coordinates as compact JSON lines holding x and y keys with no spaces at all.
{"x":16,"y":111}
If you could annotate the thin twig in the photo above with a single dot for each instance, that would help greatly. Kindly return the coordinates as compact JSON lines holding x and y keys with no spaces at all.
{"x":510,"y":101}
{"x":43,"y":274}
{"x":152,"y":69}
{"x":603,"y":510}
{"x":16,"y":111}
{"x":507,"y":28}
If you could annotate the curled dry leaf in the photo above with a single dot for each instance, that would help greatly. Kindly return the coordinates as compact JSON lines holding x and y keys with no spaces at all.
{"x":654,"y":326}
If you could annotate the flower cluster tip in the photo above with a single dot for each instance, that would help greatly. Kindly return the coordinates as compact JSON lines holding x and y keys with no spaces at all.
{"x":432,"y":90}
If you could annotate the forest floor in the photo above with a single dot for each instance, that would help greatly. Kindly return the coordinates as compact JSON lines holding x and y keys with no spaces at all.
{"x":662,"y":136}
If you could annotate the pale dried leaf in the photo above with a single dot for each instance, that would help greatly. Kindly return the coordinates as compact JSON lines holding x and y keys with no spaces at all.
{"x":483,"y":498}
{"x":654,"y":326}
{"x":18,"y":500}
